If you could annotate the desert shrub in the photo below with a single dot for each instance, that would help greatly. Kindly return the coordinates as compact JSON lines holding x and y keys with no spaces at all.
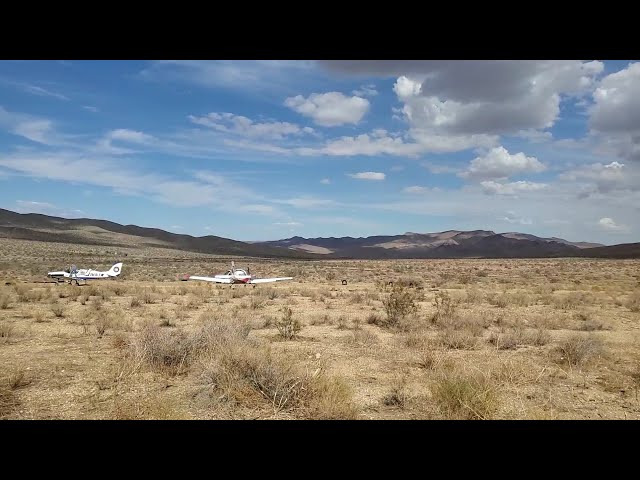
{"x":633,"y":302}
{"x":460,"y":395}
{"x":148,"y":297}
{"x":102,"y":323}
{"x":397,"y":396}
{"x":473,"y":295}
{"x":287,"y":325}
{"x":6,"y":330}
{"x":331,"y":275}
{"x":320,"y":319}
{"x":249,"y":375}
{"x":135,"y":302}
{"x":400,"y":303}
{"x":364,"y":337}
{"x":174,"y":351}
{"x":458,"y":339}
{"x":342,"y":323}
{"x":510,"y":339}
{"x":356,"y":298}
{"x":579,"y":350}
{"x":58,"y":310}
{"x":445,"y":308}
{"x":569,"y":301}
{"x":427,"y":359}
{"x":591,"y":325}
{"x":5,"y":300}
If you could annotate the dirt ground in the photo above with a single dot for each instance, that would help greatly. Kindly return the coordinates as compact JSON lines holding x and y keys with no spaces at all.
{"x":403,"y":339}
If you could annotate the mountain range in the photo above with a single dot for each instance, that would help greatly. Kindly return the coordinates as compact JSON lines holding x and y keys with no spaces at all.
{"x":448,"y":244}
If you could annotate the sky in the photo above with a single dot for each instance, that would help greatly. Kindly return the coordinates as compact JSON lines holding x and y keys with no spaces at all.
{"x":264,"y":150}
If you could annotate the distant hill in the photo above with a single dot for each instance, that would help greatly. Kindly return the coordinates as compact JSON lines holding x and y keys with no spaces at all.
{"x":623,"y":250}
{"x":35,"y":226}
{"x":448,"y":244}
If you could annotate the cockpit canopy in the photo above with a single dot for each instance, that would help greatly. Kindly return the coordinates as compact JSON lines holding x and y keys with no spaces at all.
{"x":237,"y":271}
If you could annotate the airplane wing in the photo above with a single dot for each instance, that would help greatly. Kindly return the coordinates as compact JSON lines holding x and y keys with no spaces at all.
{"x":268,"y":280}
{"x":210,"y":279}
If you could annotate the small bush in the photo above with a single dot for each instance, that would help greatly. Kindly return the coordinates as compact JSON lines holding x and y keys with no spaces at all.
{"x":399,"y":304}
{"x":445,"y":308}
{"x":578,"y":350}
{"x":135,"y":302}
{"x":5,"y":300}
{"x":287,"y":325}
{"x":465,"y":396}
{"x":397,"y":396}
{"x":633,"y":302}
{"x":58,"y":310}
{"x":458,"y":339}
{"x":6,"y":330}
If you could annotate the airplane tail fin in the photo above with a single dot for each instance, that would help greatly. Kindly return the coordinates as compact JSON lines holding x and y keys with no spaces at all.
{"x":115,"y":270}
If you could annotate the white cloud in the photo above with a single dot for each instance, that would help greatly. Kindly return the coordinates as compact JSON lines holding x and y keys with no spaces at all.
{"x":368,"y":175}
{"x":494,"y":188}
{"x":500,"y":164}
{"x":600,"y":178}
{"x":90,"y":108}
{"x":36,"y":130}
{"x":307,"y":202}
{"x":243,"y":126}
{"x":457,"y":105}
{"x":366,"y":91}
{"x":512,"y":217}
{"x":289,"y":224}
{"x":131,"y":136}
{"x":43,"y":92}
{"x":45,"y":208}
{"x":325,"y":181}
{"x":365,"y":145}
{"x":415,"y":189}
{"x":608,"y":224}
{"x":330,"y":109}
{"x":616,"y":111}
{"x":250,"y":77}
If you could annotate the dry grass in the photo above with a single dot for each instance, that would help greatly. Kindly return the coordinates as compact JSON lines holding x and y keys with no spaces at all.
{"x":466,"y":396}
{"x":580,"y":350}
{"x":138,"y":347}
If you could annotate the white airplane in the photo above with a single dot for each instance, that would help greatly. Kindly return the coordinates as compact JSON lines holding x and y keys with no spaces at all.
{"x":75,"y":274}
{"x":235,"y":276}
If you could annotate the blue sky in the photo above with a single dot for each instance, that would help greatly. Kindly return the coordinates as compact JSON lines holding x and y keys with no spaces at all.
{"x":263,"y":150}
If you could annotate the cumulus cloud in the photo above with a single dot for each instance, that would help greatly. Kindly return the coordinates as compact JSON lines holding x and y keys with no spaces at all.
{"x":600,"y":178}
{"x":457,"y":105}
{"x":243,"y":126}
{"x":368,"y":175}
{"x":498,"y":163}
{"x":512,"y":217}
{"x":494,"y":188}
{"x":609,"y":224}
{"x":616,"y":111}
{"x":365,"y":144}
{"x":330,"y":109}
{"x":366,"y":91}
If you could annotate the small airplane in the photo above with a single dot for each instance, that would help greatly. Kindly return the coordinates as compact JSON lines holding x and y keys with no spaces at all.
{"x":75,"y":274}
{"x":235,"y":276}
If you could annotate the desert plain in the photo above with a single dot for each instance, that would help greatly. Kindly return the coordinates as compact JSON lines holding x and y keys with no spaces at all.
{"x":346,"y":339}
